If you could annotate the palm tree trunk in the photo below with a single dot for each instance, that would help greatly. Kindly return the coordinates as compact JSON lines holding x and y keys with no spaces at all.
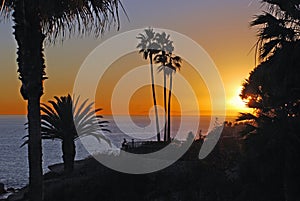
{"x":169,"y":108}
{"x":35,"y":150}
{"x":30,"y":61}
{"x":68,"y":148}
{"x":154,"y":98}
{"x":165,"y":103}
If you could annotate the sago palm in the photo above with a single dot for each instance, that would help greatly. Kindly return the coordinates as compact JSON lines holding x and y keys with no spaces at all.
{"x":35,"y":21}
{"x":66,"y":120}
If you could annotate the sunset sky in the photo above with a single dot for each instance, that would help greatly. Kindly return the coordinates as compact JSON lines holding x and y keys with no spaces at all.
{"x":220,"y":27}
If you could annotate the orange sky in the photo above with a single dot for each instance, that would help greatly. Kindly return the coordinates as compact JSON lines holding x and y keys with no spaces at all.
{"x":221,"y":28}
{"x":142,"y":101}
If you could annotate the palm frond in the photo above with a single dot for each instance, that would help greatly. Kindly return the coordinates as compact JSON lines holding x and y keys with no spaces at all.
{"x":65,"y":116}
{"x":147,"y":43}
{"x":65,"y":18}
{"x":24,"y":143}
{"x":246,"y":117}
{"x":161,"y":68}
{"x":265,"y":18}
{"x":78,"y":111}
{"x":88,"y":118}
{"x":270,"y":47}
{"x":58,"y":120}
{"x":278,"y":25}
{"x":84,"y":113}
{"x":26,"y":136}
{"x":248,"y":130}
{"x":161,"y":58}
{"x":177,"y":59}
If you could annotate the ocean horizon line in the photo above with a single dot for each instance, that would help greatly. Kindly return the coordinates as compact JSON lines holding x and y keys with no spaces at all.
{"x":142,"y":115}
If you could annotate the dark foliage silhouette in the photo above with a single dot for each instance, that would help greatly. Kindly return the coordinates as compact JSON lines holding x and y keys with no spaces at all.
{"x":278,"y":25}
{"x":173,"y":63}
{"x":67,"y":120}
{"x":165,"y":48}
{"x":273,"y":91}
{"x":35,"y":21}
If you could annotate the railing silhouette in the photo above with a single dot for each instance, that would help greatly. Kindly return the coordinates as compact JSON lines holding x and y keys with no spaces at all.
{"x":143,"y":146}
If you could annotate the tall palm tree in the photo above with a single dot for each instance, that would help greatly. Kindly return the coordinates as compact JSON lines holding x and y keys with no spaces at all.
{"x":65,"y":120}
{"x":35,"y":21}
{"x":148,"y":47}
{"x":166,"y":47}
{"x":174,"y":64}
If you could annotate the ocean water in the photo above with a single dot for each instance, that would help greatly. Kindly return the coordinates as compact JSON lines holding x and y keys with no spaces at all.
{"x":13,"y":159}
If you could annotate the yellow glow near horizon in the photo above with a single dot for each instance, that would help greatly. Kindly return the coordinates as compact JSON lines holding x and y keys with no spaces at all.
{"x":236,"y":103}
{"x":229,"y":51}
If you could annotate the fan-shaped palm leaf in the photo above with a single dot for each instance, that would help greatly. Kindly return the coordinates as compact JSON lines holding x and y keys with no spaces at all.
{"x":65,"y":121}
{"x":64,"y":18}
{"x":278,"y":25}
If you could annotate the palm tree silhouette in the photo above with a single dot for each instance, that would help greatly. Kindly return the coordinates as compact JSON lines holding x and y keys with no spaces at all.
{"x":272,"y":133}
{"x":148,"y":47}
{"x":166,"y":47}
{"x":174,"y":64}
{"x":273,"y":91}
{"x":279,"y":25}
{"x":34,"y":21}
{"x":67,"y":121}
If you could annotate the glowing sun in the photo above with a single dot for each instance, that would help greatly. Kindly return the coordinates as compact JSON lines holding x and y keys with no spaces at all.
{"x":236,"y":103}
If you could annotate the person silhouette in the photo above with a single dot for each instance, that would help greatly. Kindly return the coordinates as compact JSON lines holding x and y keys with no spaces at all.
{"x":124,"y":144}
